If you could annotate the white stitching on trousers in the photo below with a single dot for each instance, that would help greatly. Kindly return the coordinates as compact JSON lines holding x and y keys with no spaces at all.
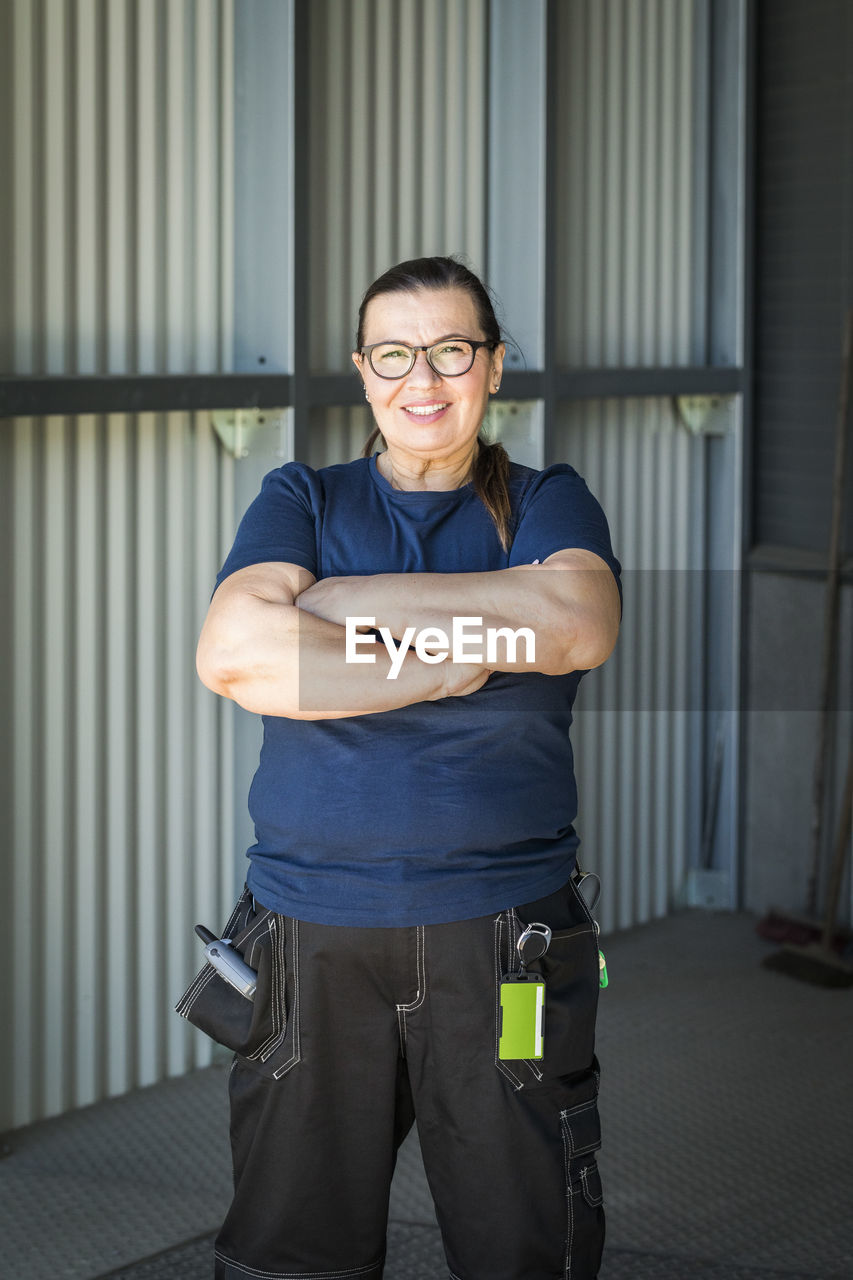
{"x":299,"y":1275}
{"x":570,"y":1225}
{"x":295,"y":1019}
{"x":403,"y":1009}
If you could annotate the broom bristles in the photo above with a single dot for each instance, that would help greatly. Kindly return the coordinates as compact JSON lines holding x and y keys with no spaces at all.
{"x":812,"y":964}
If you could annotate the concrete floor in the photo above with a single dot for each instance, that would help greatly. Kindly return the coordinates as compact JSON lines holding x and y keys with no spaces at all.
{"x":727,"y":1111}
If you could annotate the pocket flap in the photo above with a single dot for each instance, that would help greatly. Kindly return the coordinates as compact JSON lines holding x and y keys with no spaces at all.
{"x":591,"y":1185}
{"x":582,"y":1128}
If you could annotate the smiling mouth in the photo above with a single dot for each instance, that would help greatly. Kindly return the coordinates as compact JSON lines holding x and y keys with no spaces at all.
{"x":425,"y":410}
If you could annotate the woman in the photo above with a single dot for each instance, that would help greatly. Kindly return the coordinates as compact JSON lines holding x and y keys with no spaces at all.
{"x":414,"y":808}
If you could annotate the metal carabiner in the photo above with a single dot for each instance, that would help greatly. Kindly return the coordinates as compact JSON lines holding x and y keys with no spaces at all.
{"x":533,"y":942}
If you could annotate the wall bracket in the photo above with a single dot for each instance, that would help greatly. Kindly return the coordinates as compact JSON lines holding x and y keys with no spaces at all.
{"x":705,"y":415}
{"x":247,"y":432}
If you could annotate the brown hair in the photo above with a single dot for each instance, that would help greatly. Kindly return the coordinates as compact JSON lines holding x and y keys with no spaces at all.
{"x":491,"y":465}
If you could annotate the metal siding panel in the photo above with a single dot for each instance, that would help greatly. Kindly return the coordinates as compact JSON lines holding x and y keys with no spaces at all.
{"x":177,"y":736}
{"x":122,"y":233}
{"x":119,"y":763}
{"x":426,"y":52}
{"x":474,"y":77}
{"x":410,"y":124}
{"x":88,"y":959}
{"x":399,"y":156}
{"x":53,"y":725}
{"x":147,"y":196}
{"x":516,"y":196}
{"x":54,"y":210}
{"x":625,"y":110}
{"x":178,"y":144}
{"x":88,"y":176}
{"x":356,"y":218}
{"x":635,"y":735}
{"x":804,"y":262}
{"x":631,"y":236}
{"x":225,"y":159}
{"x":147,"y":889}
{"x":25,"y":890}
{"x":25,"y":257}
{"x":452,"y":139}
{"x":206,"y":188}
{"x":384,"y":132}
{"x":121,"y":134}
{"x":590,"y":344}
{"x":257,"y":161}
{"x":614,"y":201}
{"x":118,"y":191}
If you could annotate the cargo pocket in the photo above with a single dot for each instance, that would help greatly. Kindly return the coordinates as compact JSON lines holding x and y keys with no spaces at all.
{"x":570,"y":970}
{"x":581,"y":1133}
{"x":259,"y":1031}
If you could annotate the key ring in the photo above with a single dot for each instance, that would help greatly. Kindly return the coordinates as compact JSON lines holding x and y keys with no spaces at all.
{"x":533,"y":942}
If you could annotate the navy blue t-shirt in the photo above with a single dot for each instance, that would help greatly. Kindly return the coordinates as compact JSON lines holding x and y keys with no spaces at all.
{"x":438,"y":811}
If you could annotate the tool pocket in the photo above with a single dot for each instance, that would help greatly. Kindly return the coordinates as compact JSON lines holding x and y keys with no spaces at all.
{"x":570,"y":970}
{"x":581,"y":1133}
{"x":571,"y":973}
{"x":258,"y":1030}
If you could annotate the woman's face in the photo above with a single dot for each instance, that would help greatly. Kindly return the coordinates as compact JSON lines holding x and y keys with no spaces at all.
{"x":423,"y":414}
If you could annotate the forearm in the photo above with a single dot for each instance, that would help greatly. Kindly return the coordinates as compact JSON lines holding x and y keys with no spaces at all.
{"x":529,"y":598}
{"x":286,"y":662}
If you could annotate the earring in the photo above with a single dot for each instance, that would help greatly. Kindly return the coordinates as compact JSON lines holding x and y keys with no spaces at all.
{"x":366,"y":394}
{"x":497,"y":387}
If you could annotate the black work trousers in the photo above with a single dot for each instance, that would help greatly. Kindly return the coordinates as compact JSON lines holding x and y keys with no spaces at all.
{"x":360,"y":1032}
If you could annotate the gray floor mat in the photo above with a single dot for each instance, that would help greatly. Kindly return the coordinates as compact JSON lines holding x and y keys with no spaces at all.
{"x":415,"y":1253}
{"x":727,"y":1113}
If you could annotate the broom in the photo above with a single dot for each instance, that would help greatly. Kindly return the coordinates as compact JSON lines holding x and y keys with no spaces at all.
{"x":818,"y":962}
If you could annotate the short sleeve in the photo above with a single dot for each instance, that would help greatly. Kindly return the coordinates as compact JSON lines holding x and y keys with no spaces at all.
{"x":558,"y":511}
{"x":281,"y":523}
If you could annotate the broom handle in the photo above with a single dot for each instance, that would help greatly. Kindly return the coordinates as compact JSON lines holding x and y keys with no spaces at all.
{"x":830,"y":619}
{"x":839,"y":857}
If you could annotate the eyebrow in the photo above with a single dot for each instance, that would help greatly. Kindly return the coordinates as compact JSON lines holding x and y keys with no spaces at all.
{"x":405,"y":343}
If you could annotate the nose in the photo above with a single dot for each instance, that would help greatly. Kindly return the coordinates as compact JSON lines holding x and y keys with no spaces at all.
{"x":422,"y":373}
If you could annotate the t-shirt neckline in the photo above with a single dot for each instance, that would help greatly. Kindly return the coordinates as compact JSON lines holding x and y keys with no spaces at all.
{"x":409,"y":495}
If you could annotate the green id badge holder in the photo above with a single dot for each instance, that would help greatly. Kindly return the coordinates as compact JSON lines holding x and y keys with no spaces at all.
{"x":522,"y":1025}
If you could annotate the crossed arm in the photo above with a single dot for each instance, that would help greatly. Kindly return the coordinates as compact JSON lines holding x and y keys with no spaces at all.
{"x":274,"y":640}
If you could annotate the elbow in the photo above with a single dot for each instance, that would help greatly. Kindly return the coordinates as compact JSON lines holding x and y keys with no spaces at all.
{"x":214,"y":669}
{"x":582,"y":646}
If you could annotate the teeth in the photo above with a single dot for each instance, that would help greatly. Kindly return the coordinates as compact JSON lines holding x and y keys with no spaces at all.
{"x":423,"y":410}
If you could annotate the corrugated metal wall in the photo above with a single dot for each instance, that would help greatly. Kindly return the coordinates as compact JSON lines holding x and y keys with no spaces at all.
{"x":121,"y":252}
{"x":122,"y":229}
{"x":399,"y":152}
{"x":122,"y":784}
{"x":631,"y":155}
{"x":804,"y":266}
{"x":638,"y":736}
{"x":629,"y":258}
{"x":122,"y":221}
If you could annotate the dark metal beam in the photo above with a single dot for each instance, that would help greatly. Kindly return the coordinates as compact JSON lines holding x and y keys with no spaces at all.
{"x":685,"y":380}
{"x":38,"y":396}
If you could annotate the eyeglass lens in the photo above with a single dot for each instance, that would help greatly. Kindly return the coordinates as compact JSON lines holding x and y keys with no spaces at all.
{"x":449,"y":358}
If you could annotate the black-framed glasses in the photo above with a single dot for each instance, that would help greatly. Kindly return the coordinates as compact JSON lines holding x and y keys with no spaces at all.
{"x":449,"y":358}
